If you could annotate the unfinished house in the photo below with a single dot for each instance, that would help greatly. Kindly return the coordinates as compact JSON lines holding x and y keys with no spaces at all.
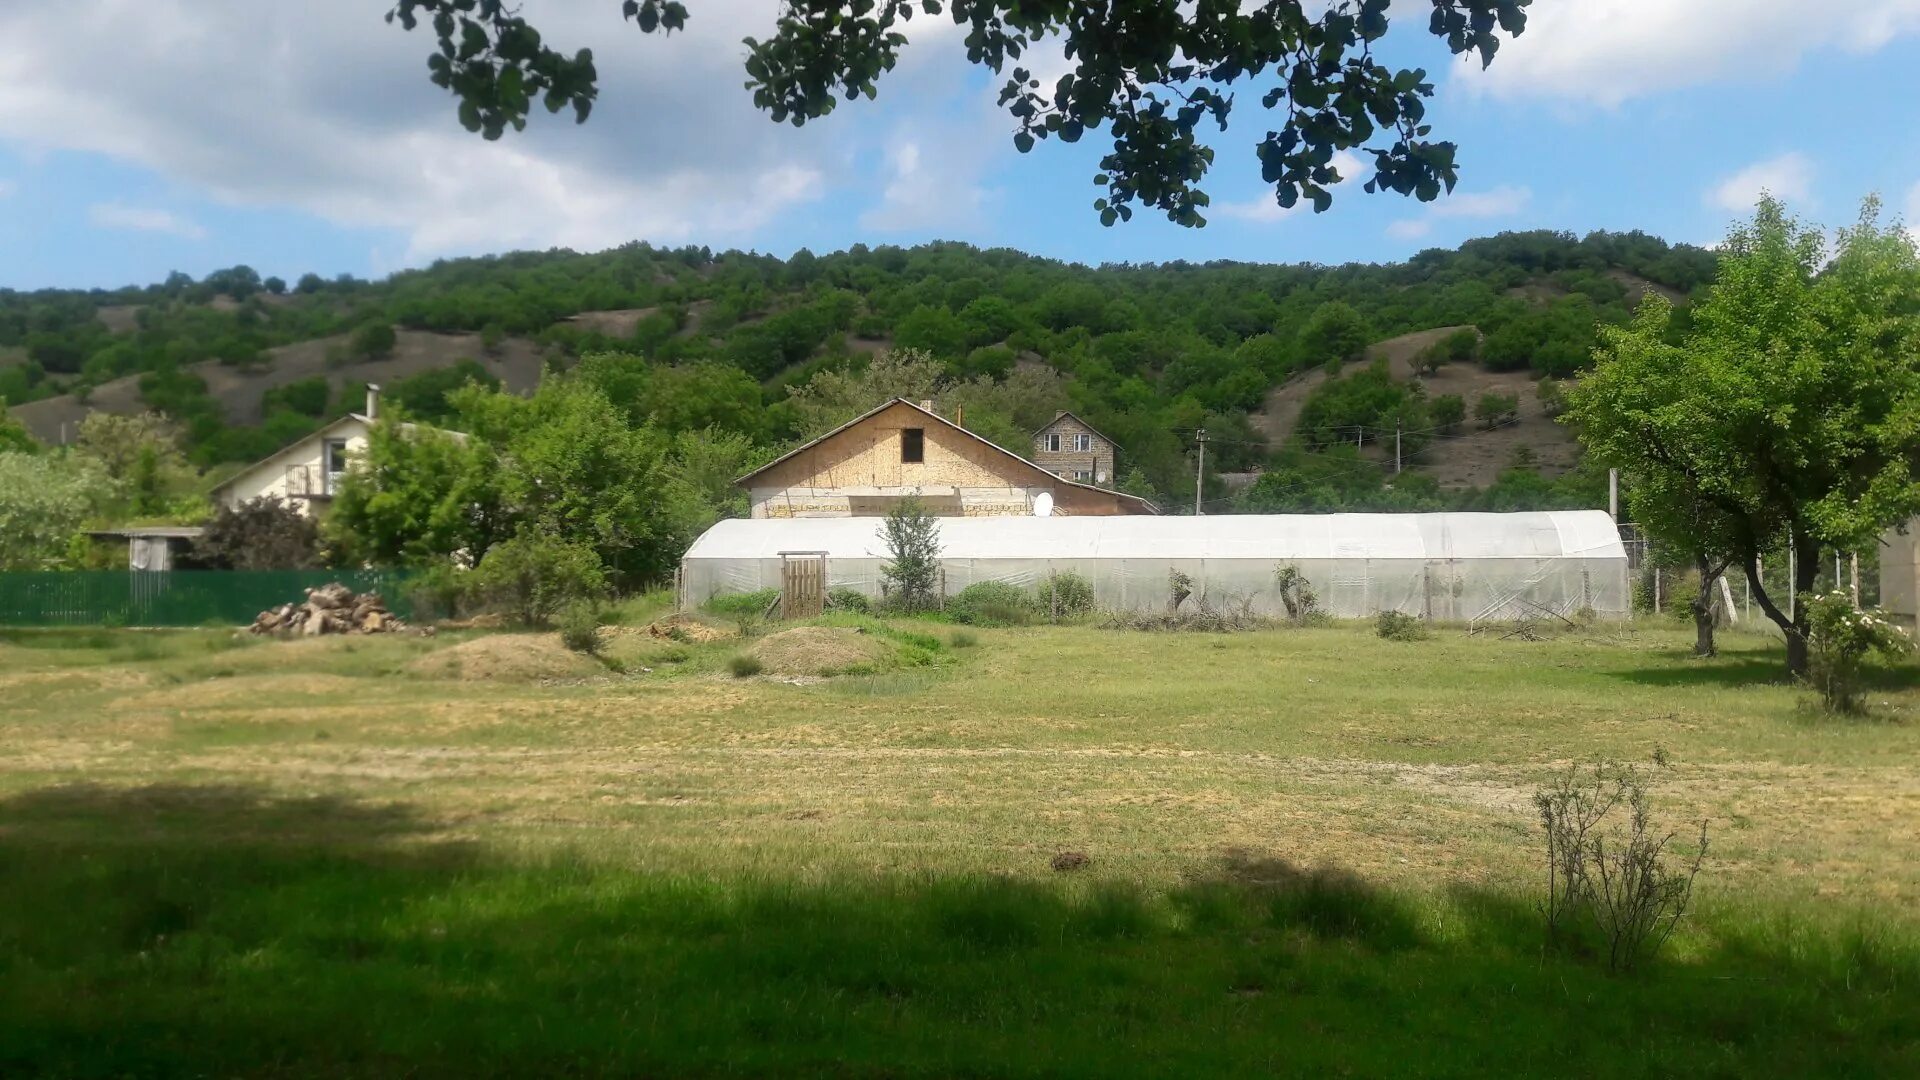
{"x":1069,"y":447}
{"x":864,"y":467}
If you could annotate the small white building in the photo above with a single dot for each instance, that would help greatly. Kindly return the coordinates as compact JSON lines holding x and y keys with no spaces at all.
{"x":306,"y":474}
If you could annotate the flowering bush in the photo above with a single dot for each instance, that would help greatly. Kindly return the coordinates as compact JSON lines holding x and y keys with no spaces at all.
{"x":1839,"y":639}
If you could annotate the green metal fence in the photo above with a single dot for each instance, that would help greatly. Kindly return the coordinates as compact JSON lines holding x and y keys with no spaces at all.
{"x":174,"y":597}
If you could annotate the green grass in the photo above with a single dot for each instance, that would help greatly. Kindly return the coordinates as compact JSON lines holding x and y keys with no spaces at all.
{"x":1311,"y":853}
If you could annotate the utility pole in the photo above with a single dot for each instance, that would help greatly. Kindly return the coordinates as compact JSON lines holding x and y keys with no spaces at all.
{"x":1613,"y":495}
{"x":1200,"y":471}
{"x":1396,"y":446}
{"x":1853,"y":561}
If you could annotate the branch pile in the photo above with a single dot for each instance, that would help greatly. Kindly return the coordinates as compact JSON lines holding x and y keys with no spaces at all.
{"x":330,"y":609}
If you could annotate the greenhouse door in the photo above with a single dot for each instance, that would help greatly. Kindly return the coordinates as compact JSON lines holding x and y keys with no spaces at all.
{"x":803,"y":584}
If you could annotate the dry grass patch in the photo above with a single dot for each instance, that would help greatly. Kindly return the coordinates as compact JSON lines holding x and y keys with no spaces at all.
{"x":819,"y":650}
{"x":507,"y":658}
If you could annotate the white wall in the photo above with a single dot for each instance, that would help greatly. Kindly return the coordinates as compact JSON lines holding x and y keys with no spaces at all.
{"x":280,"y":476}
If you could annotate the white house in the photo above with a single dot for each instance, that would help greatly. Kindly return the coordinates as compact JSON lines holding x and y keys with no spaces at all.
{"x":306,"y":474}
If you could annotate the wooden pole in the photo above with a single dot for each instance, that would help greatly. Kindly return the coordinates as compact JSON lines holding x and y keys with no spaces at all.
{"x":1853,"y":562}
{"x":1396,"y":446}
{"x":1613,"y":494}
{"x":1200,"y":472}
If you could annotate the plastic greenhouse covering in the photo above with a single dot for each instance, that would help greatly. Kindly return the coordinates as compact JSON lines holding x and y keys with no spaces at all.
{"x":1452,"y":567}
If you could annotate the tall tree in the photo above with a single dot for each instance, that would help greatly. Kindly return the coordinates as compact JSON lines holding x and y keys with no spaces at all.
{"x":44,"y":500}
{"x":1152,"y":71}
{"x":1789,"y":413}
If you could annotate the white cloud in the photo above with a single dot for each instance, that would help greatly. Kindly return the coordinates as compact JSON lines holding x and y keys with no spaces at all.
{"x":1788,"y":177}
{"x":1608,"y":51}
{"x":117,"y":215}
{"x":930,"y":185}
{"x":1503,"y":201}
{"x":1264,"y":209}
{"x":325,"y":109}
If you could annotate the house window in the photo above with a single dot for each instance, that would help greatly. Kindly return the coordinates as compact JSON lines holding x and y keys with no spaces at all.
{"x":1082,"y":475}
{"x":1053,"y":443}
{"x":1083,"y":443}
{"x":334,"y":461}
{"x":913,"y":445}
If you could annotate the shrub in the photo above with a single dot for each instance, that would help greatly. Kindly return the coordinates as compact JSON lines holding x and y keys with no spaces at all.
{"x":912,"y":536}
{"x":1447,"y":411}
{"x":1553,"y":396}
{"x":744,"y":666}
{"x":1495,"y":410}
{"x":535,"y":575}
{"x":1179,"y":587}
{"x":1399,"y":626}
{"x":992,"y":603}
{"x":1839,"y":639}
{"x":259,"y":534}
{"x":1617,"y":878}
{"x":746,"y":609}
{"x":1065,"y":594}
{"x":845,"y":599}
{"x":963,"y":639}
{"x":579,"y":626}
{"x":1297,"y":594}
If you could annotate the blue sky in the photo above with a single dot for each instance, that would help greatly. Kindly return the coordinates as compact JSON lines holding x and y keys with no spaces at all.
{"x":139,"y":138}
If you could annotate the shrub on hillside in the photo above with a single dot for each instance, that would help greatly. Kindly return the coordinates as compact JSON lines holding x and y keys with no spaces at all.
{"x":1447,"y":412}
{"x":1065,"y":594}
{"x":579,"y":627}
{"x":1496,"y":409}
{"x":992,"y":603}
{"x":534,"y":576}
{"x":1399,"y":626}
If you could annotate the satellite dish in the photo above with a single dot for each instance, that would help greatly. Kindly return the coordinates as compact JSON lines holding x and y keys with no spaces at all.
{"x":1043,"y":504}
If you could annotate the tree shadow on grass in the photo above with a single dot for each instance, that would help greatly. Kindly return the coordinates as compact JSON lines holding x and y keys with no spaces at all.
{"x":177,"y":930}
{"x":1682,"y":669}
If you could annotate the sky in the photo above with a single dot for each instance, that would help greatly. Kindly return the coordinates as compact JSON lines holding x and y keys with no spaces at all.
{"x":138,"y":137}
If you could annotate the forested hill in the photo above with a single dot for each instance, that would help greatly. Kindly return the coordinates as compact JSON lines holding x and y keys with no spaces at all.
{"x":1146,"y":353}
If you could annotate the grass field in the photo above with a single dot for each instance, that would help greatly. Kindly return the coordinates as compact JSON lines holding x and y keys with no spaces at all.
{"x":1309,"y":851}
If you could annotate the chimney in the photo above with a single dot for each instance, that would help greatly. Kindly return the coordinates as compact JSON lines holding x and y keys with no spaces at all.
{"x":960,"y":416}
{"x":373,"y":401}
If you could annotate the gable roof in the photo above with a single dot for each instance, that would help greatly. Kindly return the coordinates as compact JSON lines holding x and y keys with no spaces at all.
{"x":950,"y":425}
{"x":1065,"y":415}
{"x":321,"y":432}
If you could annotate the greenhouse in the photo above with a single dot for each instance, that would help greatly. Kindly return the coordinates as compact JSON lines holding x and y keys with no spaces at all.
{"x":1451,"y":567}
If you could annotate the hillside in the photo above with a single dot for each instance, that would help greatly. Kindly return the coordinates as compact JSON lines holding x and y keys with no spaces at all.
{"x":1148,"y":353}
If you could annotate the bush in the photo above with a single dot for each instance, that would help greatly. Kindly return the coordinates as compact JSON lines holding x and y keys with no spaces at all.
{"x":746,"y":608}
{"x":1839,"y":639}
{"x":1495,"y":410}
{"x":259,"y":534}
{"x":579,"y":626}
{"x":1399,"y":626}
{"x":963,"y":639}
{"x":1447,"y":411}
{"x":913,"y":547}
{"x":1619,"y":879}
{"x":845,"y":599}
{"x":1065,"y":594}
{"x":992,"y":603}
{"x":744,"y":666}
{"x":1296,"y":593}
{"x":534,"y":576}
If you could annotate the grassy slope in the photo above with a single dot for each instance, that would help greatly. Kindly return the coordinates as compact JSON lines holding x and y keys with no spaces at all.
{"x":1311,"y":851}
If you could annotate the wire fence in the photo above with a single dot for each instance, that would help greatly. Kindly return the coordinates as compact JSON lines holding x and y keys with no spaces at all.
{"x":174,"y":598}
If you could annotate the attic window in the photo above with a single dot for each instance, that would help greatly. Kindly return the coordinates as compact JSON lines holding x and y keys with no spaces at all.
{"x":1053,"y":442}
{"x":1083,"y":442}
{"x":913,"y":445}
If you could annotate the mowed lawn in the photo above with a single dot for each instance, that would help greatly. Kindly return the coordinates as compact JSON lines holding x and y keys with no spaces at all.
{"x":1308,"y":852}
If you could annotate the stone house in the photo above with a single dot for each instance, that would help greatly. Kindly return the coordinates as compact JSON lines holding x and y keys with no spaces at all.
{"x":1069,"y":447}
{"x":864,"y":467}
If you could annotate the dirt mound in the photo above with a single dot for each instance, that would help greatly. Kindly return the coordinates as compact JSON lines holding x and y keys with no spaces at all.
{"x":817,"y":650}
{"x":507,"y":658}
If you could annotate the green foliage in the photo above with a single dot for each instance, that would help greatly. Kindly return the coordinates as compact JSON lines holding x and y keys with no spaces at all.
{"x":1447,"y":412}
{"x":912,"y":537}
{"x":1296,"y":594}
{"x":1840,"y":638}
{"x":1337,"y":94}
{"x":259,"y":534}
{"x":1494,"y":409}
{"x":992,"y":603}
{"x":373,"y":341}
{"x":426,"y":397}
{"x":579,"y":626}
{"x":1398,"y":626}
{"x":744,"y":666}
{"x":44,"y":501}
{"x":1064,"y":595}
{"x":420,"y":497}
{"x":534,"y":576}
{"x":1335,"y":333}
{"x":14,"y":437}
{"x":745,"y":604}
{"x":1365,"y":404}
{"x":306,"y":397}
{"x":842,"y":598}
{"x":1783,"y":409}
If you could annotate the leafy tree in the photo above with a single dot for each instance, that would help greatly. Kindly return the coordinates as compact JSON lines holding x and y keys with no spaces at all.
{"x":536,"y":575}
{"x":306,"y":397}
{"x":1494,"y":409}
{"x":143,"y":452}
{"x":912,"y":537}
{"x":14,"y":437}
{"x":309,"y":284}
{"x":1150,"y":73}
{"x":424,"y":396}
{"x":933,"y":330}
{"x":373,"y":341}
{"x":276,"y":285}
{"x":419,"y":497}
{"x":1335,"y":332}
{"x":1785,"y":414}
{"x":832,"y":398}
{"x":1447,"y":411}
{"x":259,"y":534}
{"x":44,"y":500}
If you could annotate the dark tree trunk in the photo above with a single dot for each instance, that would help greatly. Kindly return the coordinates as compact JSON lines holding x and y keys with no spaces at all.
{"x":1703,"y":606}
{"x":1806,"y":555}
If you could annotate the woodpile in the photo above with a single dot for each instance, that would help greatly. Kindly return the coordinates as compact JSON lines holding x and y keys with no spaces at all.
{"x":329,"y":609}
